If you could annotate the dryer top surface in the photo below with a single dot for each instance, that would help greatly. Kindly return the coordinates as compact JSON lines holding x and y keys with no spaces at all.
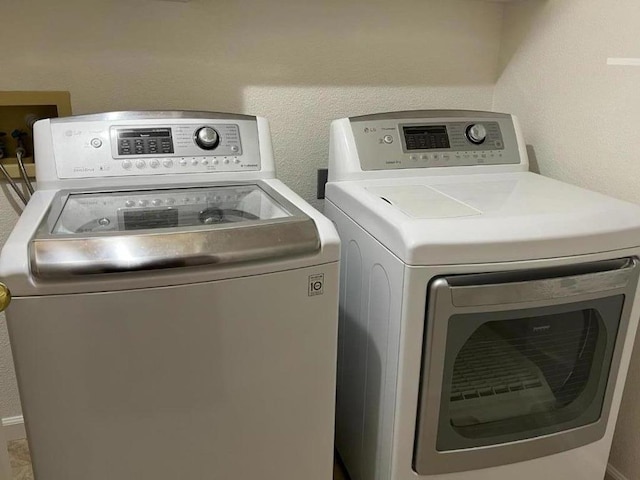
{"x":486,"y":218}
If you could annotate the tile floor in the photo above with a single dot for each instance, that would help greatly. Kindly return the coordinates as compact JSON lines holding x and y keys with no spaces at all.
{"x":21,"y":462}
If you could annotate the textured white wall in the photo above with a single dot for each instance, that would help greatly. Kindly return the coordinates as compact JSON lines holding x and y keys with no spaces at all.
{"x":583,"y":119}
{"x":298,"y":62}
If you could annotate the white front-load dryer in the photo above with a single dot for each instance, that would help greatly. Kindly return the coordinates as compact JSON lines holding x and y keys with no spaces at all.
{"x":174,"y":309}
{"x":487,"y":313}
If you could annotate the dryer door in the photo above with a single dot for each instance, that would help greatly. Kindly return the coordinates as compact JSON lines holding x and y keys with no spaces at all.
{"x":520,"y":365}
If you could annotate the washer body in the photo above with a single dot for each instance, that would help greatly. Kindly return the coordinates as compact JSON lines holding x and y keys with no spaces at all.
{"x":176,"y":320}
{"x":447,"y":246}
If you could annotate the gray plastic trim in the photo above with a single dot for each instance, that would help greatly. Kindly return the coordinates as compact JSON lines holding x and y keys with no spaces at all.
{"x":414,"y":114}
{"x":152,"y":115}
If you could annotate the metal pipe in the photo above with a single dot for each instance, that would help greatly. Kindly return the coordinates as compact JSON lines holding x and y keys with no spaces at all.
{"x":23,"y":171}
{"x":13,"y":184}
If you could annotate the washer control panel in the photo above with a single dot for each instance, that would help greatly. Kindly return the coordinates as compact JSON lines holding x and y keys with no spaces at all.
{"x":434,"y":139}
{"x":153,"y":146}
{"x":181,"y":140}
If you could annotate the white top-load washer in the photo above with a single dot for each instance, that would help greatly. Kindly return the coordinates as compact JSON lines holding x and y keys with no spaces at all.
{"x":174,"y":309}
{"x":487,"y":313}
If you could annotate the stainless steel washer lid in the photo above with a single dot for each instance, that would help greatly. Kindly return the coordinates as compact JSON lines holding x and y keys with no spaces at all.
{"x":94,"y":232}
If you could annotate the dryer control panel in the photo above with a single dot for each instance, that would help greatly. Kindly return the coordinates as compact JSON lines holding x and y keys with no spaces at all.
{"x":424,"y":139}
{"x":154,"y":143}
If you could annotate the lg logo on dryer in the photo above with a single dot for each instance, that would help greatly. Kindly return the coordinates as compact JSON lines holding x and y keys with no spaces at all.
{"x":316,"y":284}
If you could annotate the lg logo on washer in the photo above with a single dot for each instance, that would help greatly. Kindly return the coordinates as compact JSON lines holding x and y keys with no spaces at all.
{"x":316,"y":284}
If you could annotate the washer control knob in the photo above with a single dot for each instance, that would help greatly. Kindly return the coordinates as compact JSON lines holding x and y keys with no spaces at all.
{"x":207,"y":138}
{"x":476,"y":133}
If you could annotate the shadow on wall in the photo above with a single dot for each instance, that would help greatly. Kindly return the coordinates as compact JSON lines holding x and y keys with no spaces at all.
{"x":534,"y":166}
{"x":201,"y":54}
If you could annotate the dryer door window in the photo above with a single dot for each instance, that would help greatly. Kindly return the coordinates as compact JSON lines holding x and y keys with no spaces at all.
{"x":520,"y":365}
{"x":527,"y":375}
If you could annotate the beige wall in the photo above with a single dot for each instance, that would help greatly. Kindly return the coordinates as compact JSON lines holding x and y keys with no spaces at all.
{"x":298,"y":62}
{"x":583,"y":119}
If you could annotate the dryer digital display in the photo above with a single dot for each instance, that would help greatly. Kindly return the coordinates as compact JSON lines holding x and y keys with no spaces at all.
{"x":426,"y":137}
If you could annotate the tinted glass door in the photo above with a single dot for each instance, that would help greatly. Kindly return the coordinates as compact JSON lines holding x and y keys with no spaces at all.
{"x":514,"y":375}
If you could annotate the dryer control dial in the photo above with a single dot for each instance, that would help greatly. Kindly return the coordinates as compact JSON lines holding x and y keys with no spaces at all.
{"x":207,"y":138}
{"x":476,"y":133}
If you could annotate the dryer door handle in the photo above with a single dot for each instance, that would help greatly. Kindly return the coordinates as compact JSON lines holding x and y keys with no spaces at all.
{"x":500,"y":292}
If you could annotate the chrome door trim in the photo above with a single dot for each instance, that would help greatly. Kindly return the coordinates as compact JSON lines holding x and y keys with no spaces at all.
{"x":440,"y":308}
{"x":68,"y":256}
{"x":539,"y":290}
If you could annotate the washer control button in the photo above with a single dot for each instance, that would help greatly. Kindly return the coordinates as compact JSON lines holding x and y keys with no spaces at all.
{"x":236,"y":160}
{"x":156,"y":202}
{"x":96,"y":142}
{"x":413,"y":157}
{"x":215,"y":161}
{"x":388,"y":139}
{"x":226,"y":161}
{"x":129,"y":203}
{"x":194,"y":162}
{"x":182,"y":162}
{"x":126,"y":165}
{"x":155,"y":163}
{"x":168,"y":163}
{"x":205,"y":162}
{"x":143,"y":203}
{"x":141,"y":163}
{"x":235,"y":149}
